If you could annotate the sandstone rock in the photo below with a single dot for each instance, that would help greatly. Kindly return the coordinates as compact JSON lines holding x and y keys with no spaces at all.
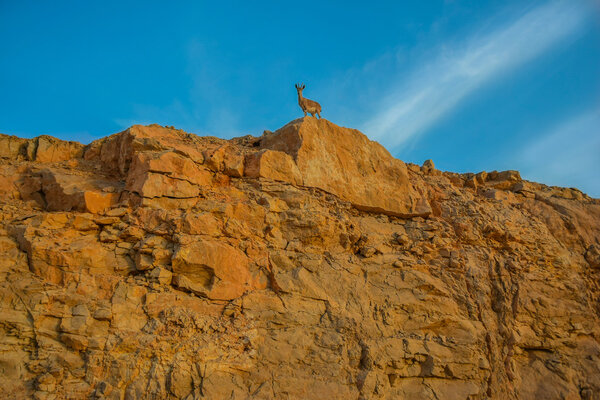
{"x":65,"y":192}
{"x":503,"y":180}
{"x":510,"y":175}
{"x":169,"y":163}
{"x":50,"y":149}
{"x":592,"y":255}
{"x":428,"y":167}
{"x":481,"y":177}
{"x":346,"y":163}
{"x":80,"y":310}
{"x":493,"y":194}
{"x":96,"y":202}
{"x":116,"y":152}
{"x":525,"y":188}
{"x":402,"y":239}
{"x":117,"y":212}
{"x":226,"y":159}
{"x":103,"y":314}
{"x":46,"y":383}
{"x":44,"y":149}
{"x":143,"y":262}
{"x":162,"y":275}
{"x":200,"y":223}
{"x":74,"y":341}
{"x":13,"y":147}
{"x":215,"y":269}
{"x":274,"y":165}
{"x":471,"y":182}
{"x":106,"y":220}
{"x":184,"y":283}
{"x":159,"y":185}
{"x":367,"y":251}
{"x":84,"y":222}
{"x":165,"y":174}
{"x":278,"y":288}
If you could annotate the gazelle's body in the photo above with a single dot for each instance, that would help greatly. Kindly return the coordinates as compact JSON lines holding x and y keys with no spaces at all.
{"x":307,"y":105}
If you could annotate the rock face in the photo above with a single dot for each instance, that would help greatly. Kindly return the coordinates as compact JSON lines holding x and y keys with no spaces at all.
{"x":275,"y":165}
{"x":350,"y":166}
{"x":214,"y":269}
{"x":304,"y":264}
{"x":42,"y":148}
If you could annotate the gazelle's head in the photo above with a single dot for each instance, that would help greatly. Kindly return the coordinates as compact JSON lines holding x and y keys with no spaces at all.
{"x":300,"y":87}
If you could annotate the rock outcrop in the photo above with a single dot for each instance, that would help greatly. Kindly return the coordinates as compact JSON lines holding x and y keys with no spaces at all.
{"x":42,"y":149}
{"x":304,"y":264}
{"x":346,"y":163}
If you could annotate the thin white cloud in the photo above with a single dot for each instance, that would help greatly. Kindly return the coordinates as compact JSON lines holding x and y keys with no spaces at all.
{"x":568,"y":155}
{"x":416,"y":104}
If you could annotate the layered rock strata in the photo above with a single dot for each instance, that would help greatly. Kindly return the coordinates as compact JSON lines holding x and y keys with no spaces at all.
{"x":304,"y":264}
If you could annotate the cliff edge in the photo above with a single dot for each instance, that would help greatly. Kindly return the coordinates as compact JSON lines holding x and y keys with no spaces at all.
{"x":306,"y":263}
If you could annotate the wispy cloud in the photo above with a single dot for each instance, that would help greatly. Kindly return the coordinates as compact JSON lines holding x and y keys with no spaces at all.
{"x":568,"y":155}
{"x":414,"y":105}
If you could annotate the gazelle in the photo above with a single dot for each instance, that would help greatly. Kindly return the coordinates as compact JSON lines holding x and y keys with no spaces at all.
{"x":308,"y":106}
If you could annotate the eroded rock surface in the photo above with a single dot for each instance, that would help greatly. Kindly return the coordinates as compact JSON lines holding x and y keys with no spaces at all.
{"x":350,"y":166}
{"x":304,"y":264}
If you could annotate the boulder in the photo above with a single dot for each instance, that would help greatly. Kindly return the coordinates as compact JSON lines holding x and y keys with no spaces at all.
{"x":226,"y":159}
{"x":212,"y":269}
{"x":166,"y":174}
{"x":43,"y":149}
{"x":161,"y":275}
{"x":66,"y":192}
{"x":503,"y":180}
{"x":51,"y":149}
{"x":96,"y":201}
{"x":428,"y":167}
{"x":481,"y":177}
{"x":117,"y":151}
{"x":272,"y":164}
{"x":13,"y":147}
{"x":346,"y":163}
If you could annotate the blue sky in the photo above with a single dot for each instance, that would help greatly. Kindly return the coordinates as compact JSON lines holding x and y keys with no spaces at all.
{"x":474,"y":85}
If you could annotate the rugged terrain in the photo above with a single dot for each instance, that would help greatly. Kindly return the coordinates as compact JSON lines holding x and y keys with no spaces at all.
{"x":304,"y":264}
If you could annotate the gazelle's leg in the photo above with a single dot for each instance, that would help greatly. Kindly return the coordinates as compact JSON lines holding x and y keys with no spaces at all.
{"x":319,"y":114}
{"x":305,"y":113}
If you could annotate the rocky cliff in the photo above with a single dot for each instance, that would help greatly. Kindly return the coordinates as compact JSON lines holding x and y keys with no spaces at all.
{"x":304,"y":264}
